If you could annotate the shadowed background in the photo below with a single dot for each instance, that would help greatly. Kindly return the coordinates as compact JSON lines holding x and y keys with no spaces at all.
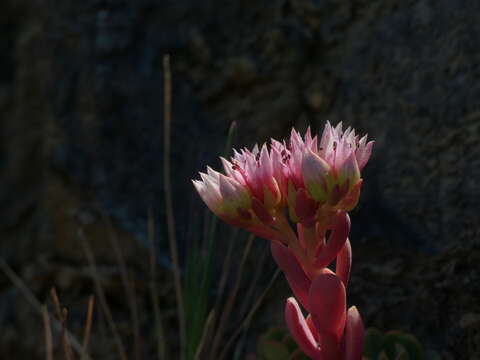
{"x":81,"y":139}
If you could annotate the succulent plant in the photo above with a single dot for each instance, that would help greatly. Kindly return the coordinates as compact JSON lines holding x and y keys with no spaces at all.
{"x":393,"y":345}
{"x":294,"y":193}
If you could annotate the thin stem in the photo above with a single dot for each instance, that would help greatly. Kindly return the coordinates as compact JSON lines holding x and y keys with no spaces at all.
{"x":167,"y":121}
{"x":127,"y":284}
{"x":231,"y":299}
{"x":206,"y":334}
{"x":101,"y":296}
{"x":251,"y":290}
{"x":225,"y":270}
{"x":88,"y":324}
{"x":20,"y":284}
{"x":161,"y":343}
{"x":248,"y":318}
{"x":48,"y":334}
{"x":62,"y":317}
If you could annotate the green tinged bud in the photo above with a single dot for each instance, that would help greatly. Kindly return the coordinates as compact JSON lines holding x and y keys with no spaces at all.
{"x":316,"y":176}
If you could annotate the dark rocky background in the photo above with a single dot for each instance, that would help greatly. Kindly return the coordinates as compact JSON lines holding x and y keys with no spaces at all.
{"x":81,"y":140}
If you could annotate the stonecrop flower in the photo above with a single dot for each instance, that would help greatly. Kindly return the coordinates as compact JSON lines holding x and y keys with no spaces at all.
{"x":306,"y":178}
{"x":314,"y":184}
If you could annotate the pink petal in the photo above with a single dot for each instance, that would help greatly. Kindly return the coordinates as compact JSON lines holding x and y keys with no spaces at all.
{"x":295,"y":139}
{"x":344,"y":263}
{"x":314,"y":145}
{"x":213,"y":174}
{"x":354,"y":335}
{"x":227,"y":166}
{"x":342,"y":151}
{"x":211,"y":192}
{"x":299,"y":329}
{"x":229,"y":170}
{"x":335,"y":242}
{"x":308,"y":137}
{"x":229,"y":188}
{"x":339,"y":127}
{"x":210,"y":196}
{"x":349,"y":169}
{"x":364,"y":153}
{"x":265,"y":164}
{"x":296,"y":277}
{"x":326,"y":141}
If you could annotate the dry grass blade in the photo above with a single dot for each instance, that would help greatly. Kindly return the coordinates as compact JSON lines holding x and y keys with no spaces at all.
{"x":62,"y":315}
{"x":101,"y":296}
{"x":48,"y":334}
{"x":207,"y":331}
{"x":231,"y":299}
{"x":225,"y":272}
{"x":88,"y":324}
{"x":169,"y":202}
{"x":248,"y":318}
{"x":67,"y":348}
{"x":161,"y":343}
{"x":253,"y":283}
{"x":127,"y":284}
{"x":18,"y":282}
{"x":56,"y":304}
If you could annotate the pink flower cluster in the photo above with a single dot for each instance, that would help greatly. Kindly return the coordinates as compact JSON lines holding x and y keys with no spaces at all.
{"x":312,"y":184}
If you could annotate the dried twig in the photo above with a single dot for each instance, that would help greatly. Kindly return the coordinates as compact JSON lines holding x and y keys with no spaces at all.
{"x":248,"y":318}
{"x":127,"y":284}
{"x":161,"y":343}
{"x":225,"y":271}
{"x":48,"y":334}
{"x":169,"y":202}
{"x":253,"y":283}
{"x":231,"y":299}
{"x":101,"y":296}
{"x":88,"y":324}
{"x":20,"y":284}
{"x":62,"y":318}
{"x":207,"y":331}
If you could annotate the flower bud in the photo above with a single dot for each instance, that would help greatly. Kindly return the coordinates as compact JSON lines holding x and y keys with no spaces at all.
{"x":348,"y":172}
{"x":234,"y":195}
{"x":316,"y":176}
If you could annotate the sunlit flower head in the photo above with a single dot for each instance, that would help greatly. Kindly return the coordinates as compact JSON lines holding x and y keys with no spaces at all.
{"x":306,"y":178}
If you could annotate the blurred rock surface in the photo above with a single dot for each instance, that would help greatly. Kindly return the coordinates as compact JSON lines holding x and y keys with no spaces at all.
{"x":81,"y":89}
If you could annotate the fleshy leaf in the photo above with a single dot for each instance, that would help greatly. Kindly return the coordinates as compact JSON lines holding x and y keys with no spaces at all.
{"x":296,"y":277}
{"x":327,"y":300}
{"x":336,"y":241}
{"x":344,"y":263}
{"x":354,"y":335}
{"x":299,"y":329}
